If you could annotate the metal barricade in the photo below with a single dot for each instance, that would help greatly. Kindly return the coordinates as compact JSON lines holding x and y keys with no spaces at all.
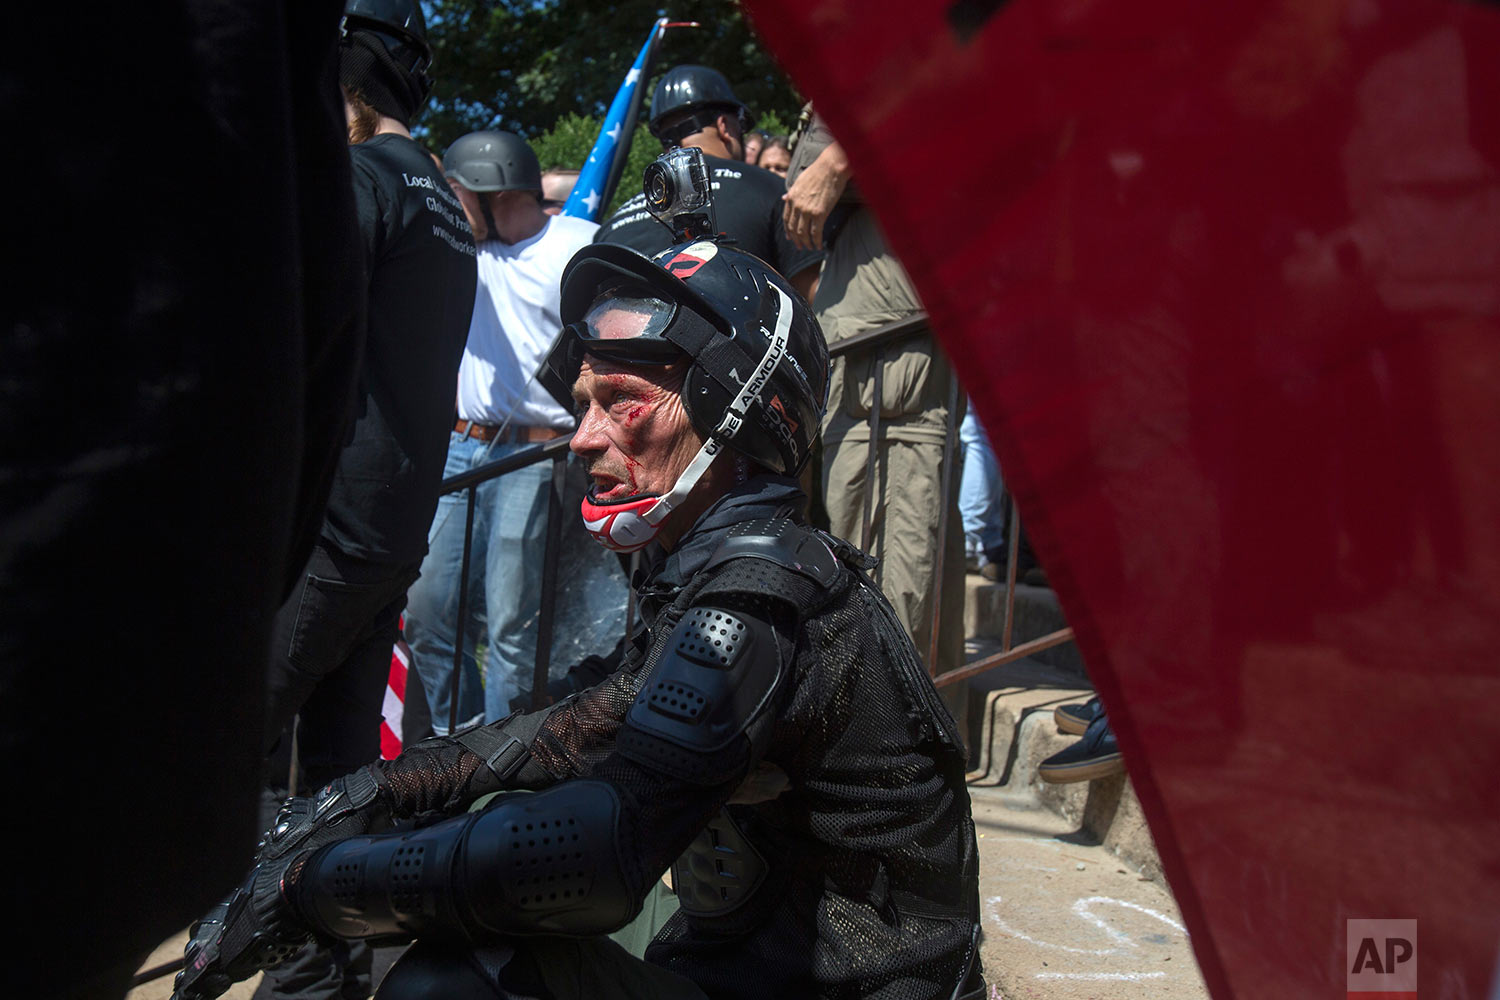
{"x":555,"y":451}
{"x":878,"y":340}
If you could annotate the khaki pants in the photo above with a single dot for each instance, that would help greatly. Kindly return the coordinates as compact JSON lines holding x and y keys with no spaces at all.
{"x":863,"y":286}
{"x":904,"y":524}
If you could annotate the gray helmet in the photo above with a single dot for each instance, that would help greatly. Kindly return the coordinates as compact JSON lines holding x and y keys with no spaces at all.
{"x":693,"y":89}
{"x":493,"y":161}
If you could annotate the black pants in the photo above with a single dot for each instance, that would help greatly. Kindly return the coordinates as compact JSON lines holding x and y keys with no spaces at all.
{"x":330,"y":659}
{"x":532,"y":968}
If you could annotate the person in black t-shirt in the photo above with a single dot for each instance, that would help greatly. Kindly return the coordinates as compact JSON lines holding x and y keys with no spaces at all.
{"x":332,"y":639}
{"x":694,"y":107}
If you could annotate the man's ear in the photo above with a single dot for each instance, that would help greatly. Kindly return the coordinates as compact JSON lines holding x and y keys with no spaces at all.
{"x":726,"y":132}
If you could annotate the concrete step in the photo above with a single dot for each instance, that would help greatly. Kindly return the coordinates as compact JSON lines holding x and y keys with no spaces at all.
{"x":1010,"y":727}
{"x":1035,"y":613}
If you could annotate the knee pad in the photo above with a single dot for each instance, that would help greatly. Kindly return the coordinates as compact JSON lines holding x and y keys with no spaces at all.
{"x":543,"y":863}
{"x":548,"y":863}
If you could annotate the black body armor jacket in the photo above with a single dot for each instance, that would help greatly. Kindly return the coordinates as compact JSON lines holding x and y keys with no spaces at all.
{"x":763,"y":643}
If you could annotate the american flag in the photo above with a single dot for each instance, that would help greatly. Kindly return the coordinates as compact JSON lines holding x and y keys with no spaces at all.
{"x":598,"y":177}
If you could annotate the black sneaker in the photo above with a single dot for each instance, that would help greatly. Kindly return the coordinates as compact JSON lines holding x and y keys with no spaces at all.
{"x":1095,"y":756}
{"x":1074,"y":719}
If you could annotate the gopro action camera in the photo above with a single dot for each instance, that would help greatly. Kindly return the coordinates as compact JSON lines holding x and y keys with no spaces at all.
{"x":680,"y":194}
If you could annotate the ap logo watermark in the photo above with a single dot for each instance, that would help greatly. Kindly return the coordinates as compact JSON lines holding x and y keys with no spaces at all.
{"x":1381,"y":959}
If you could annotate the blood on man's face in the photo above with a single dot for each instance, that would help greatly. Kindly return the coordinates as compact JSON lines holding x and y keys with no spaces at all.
{"x":633,"y":431}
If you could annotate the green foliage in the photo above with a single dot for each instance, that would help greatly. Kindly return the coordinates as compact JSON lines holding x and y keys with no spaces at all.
{"x":772,"y":123}
{"x":568,"y":144}
{"x":524,"y":65}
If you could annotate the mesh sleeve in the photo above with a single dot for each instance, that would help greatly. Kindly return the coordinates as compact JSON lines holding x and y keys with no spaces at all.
{"x":433,"y":776}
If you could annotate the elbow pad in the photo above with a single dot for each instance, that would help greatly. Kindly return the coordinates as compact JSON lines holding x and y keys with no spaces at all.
{"x":542,"y":863}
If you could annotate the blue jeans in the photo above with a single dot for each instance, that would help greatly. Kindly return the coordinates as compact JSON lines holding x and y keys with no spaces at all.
{"x":981,"y":493}
{"x":505,"y":582}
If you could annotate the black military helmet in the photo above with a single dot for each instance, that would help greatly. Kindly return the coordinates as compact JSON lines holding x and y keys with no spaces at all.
{"x":398,"y":25}
{"x":693,"y":89}
{"x":493,"y":161}
{"x":758,"y":374}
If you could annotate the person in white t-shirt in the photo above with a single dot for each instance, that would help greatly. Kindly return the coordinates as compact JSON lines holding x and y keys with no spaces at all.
{"x":501,"y":409}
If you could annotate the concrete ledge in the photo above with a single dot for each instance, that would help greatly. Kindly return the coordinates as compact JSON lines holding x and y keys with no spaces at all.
{"x":1036,"y":612}
{"x":1000,"y":702}
{"x":1011,"y":721}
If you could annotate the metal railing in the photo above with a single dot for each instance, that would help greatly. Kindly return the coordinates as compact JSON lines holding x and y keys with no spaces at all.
{"x":556,"y":451}
{"x":877,"y":340}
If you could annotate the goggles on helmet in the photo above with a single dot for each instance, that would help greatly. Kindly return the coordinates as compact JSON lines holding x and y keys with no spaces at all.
{"x":624,"y":315}
{"x":633,"y":326}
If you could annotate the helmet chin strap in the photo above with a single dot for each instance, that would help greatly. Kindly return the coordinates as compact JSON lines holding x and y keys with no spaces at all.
{"x":632,"y":524}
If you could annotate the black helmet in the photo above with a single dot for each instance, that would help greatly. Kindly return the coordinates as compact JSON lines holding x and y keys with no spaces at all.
{"x":693,"y":88}
{"x":401,"y":31}
{"x":758,"y":378}
{"x":493,"y":161}
{"x":402,"y":24}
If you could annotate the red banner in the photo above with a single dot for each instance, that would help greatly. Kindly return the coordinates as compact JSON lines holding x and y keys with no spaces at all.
{"x":1225,"y":277}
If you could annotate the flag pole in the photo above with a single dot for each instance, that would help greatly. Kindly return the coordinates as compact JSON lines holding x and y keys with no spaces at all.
{"x":600,"y":175}
{"x":633,"y":115}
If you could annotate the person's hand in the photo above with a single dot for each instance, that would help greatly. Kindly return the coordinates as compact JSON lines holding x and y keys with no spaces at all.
{"x":807,"y":203}
{"x":256,"y":926}
{"x":253,"y":929}
{"x":345,"y":807}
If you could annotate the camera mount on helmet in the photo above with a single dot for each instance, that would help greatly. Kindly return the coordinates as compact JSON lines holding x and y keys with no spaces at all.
{"x":680,"y":194}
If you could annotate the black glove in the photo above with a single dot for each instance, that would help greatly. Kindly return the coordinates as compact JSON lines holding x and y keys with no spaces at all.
{"x":253,"y":929}
{"x":346,"y":807}
{"x":257,"y":926}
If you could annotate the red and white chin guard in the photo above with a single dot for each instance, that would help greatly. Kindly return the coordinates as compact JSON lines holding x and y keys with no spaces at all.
{"x":630,"y":524}
{"x":625,"y":526}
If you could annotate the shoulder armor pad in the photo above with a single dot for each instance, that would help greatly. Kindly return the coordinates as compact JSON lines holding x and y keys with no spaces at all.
{"x":783,"y":542}
{"x":716,"y":674}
